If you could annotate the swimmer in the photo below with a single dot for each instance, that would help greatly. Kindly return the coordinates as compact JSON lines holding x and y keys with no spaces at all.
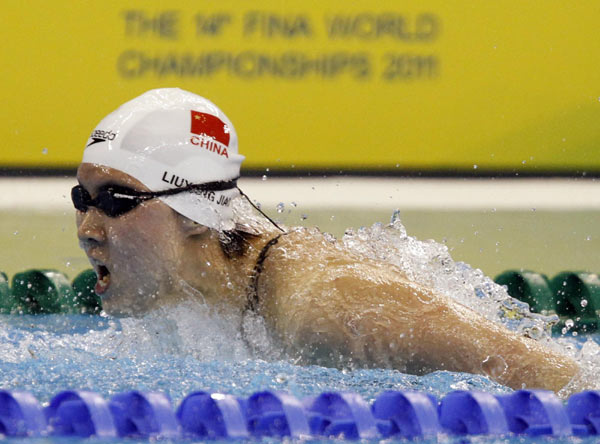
{"x":155,"y":216}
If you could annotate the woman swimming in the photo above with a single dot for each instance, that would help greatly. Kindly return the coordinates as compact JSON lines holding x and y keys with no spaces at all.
{"x":155,"y":217}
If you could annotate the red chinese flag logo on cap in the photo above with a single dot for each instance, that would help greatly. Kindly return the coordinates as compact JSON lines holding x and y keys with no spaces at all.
{"x":212,"y":126}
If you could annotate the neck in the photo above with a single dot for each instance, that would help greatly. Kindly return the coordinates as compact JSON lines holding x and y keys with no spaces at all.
{"x":221,"y":281}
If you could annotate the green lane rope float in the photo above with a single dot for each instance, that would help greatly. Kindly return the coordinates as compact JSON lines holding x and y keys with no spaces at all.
{"x":6,"y":298}
{"x":49,"y":291}
{"x":530,"y":287}
{"x":42,"y":292}
{"x":83,"y":286}
{"x":578,"y":297}
{"x":573,"y":296}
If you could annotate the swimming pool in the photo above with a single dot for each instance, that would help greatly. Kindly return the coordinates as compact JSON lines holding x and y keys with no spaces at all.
{"x":47,"y":354}
{"x":185,"y":349}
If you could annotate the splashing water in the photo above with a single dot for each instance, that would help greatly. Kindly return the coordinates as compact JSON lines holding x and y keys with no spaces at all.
{"x":191,"y":349}
{"x":430,"y":264}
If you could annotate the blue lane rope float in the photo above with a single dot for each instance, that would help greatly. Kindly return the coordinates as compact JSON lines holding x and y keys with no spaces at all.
{"x":212,"y":416}
{"x":407,"y":414}
{"x":535,"y":412}
{"x":341,"y":414}
{"x":393,"y":414}
{"x":584,"y":413}
{"x":472,"y":413}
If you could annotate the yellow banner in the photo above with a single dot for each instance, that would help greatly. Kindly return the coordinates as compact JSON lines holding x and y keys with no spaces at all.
{"x":426,"y":84}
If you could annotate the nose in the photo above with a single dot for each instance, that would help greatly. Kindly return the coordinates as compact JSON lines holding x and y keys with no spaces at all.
{"x":90,"y":227}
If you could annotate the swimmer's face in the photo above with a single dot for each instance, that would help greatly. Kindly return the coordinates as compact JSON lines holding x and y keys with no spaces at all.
{"x":137,"y":254}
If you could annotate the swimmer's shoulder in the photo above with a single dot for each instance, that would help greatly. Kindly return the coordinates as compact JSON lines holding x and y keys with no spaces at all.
{"x":305,"y":238}
{"x":308,"y":254}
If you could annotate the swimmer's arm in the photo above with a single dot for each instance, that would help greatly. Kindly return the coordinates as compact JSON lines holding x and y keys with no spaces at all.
{"x":357,"y":310}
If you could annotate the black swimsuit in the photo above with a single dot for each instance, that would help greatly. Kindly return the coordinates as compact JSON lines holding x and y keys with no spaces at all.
{"x":253,"y":300}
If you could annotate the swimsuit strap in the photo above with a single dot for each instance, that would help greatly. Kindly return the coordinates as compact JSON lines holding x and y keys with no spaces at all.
{"x":252,"y":302}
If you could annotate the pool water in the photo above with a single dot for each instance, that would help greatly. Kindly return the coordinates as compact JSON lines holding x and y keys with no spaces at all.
{"x":46,"y":354}
{"x":187,"y":348}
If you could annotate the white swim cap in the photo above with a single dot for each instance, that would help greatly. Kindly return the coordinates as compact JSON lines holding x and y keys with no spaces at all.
{"x":169,"y":138}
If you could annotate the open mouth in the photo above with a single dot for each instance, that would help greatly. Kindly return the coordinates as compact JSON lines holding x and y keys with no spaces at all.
{"x":103,"y":279}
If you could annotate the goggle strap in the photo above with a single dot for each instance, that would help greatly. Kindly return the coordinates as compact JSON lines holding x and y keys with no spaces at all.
{"x":259,"y":210}
{"x":208,"y":186}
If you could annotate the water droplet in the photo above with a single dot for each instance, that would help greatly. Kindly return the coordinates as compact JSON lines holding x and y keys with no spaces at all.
{"x":280,"y":378}
{"x":584,"y":302}
{"x":45,"y":151}
{"x":569,"y":323}
{"x":395,"y":217}
{"x":280,"y":207}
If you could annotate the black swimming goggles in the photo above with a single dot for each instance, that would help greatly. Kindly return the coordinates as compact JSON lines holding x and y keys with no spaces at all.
{"x":116,"y":200}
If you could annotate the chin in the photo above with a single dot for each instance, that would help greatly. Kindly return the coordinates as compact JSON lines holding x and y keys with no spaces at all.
{"x":130,"y":301}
